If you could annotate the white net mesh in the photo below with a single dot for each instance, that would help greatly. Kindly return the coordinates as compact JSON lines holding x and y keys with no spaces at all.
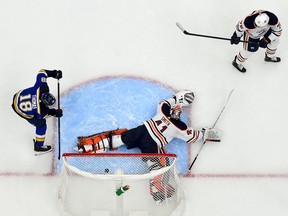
{"x":89,"y":184}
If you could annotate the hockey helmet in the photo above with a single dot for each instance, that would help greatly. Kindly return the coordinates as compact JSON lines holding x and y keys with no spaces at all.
{"x":48,"y":99}
{"x":176,"y":112}
{"x":184,"y":98}
{"x":261,"y":20}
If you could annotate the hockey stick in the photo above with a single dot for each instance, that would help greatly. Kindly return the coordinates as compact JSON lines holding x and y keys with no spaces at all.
{"x":212,"y":127}
{"x":58,"y":95}
{"x":208,"y":36}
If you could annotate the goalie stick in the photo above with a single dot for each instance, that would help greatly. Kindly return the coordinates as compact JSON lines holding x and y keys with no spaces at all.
{"x":212,"y":127}
{"x":207,"y":36}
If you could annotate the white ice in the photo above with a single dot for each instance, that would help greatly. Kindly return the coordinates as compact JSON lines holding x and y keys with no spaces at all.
{"x":245,"y":174}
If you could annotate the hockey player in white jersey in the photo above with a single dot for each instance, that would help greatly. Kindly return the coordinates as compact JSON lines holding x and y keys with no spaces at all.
{"x":261,"y":29}
{"x":152,"y":137}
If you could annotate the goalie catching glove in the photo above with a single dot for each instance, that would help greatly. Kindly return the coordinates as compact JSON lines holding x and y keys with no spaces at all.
{"x":184,"y":98}
{"x":211,"y":135}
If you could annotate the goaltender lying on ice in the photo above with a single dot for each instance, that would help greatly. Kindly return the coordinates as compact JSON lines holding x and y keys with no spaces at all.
{"x":152,"y":137}
{"x":154,"y":134}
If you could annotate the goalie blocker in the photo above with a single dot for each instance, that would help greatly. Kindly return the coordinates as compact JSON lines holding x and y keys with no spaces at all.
{"x":211,"y":135}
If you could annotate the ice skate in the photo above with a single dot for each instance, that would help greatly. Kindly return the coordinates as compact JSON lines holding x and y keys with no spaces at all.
{"x":239,"y":67}
{"x":79,"y":149}
{"x":39,"y":150}
{"x":272,"y":59}
{"x":89,"y":149}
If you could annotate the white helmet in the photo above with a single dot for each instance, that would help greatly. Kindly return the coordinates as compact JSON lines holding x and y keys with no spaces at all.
{"x":184,"y":98}
{"x":261,"y":20}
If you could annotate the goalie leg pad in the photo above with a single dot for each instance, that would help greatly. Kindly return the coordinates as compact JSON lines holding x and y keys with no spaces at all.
{"x":100,"y":141}
{"x":95,"y":138}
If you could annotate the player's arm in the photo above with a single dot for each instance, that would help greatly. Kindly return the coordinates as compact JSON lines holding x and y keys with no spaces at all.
{"x":57,"y":74}
{"x":206,"y":134}
{"x":276,"y":29}
{"x":171,"y":102}
{"x":240,"y":29}
{"x":47,"y":112}
{"x":165,"y":107}
{"x":190,"y":135}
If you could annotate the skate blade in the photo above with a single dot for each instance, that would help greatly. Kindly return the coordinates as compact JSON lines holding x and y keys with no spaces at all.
{"x":77,"y":149}
{"x":42,"y":153}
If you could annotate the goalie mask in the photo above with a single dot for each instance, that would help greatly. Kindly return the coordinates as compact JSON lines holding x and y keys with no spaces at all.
{"x":48,"y":99}
{"x":176,"y":112}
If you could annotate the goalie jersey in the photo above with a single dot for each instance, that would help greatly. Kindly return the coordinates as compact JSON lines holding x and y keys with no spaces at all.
{"x":162,"y":128}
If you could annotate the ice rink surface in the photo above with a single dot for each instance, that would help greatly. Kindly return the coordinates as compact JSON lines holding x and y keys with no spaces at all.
{"x":245,"y":174}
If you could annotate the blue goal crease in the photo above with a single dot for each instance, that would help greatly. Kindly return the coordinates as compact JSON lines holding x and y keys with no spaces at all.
{"x":112,"y":103}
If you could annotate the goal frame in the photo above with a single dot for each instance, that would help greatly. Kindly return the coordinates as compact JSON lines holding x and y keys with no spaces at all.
{"x":119,"y":177}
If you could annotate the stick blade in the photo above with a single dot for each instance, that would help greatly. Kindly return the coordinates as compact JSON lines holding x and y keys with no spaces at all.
{"x":180,"y":26}
{"x":230,"y":93}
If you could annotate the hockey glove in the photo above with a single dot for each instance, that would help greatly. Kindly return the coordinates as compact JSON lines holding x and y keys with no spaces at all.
{"x":57,"y":74}
{"x":264,"y":42}
{"x":235,"y":39}
{"x":211,"y":135}
{"x":58,"y":113}
{"x":184,"y":98}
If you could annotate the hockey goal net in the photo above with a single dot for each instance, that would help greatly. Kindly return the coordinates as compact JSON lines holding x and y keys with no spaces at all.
{"x":119,"y":184}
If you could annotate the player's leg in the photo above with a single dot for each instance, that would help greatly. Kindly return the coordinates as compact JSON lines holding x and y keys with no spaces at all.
{"x":271,"y":51}
{"x":41,"y":128}
{"x":100,"y":142}
{"x":245,"y":53}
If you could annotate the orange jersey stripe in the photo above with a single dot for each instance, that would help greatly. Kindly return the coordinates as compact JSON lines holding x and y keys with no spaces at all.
{"x":157,"y":133}
{"x":194,"y":138}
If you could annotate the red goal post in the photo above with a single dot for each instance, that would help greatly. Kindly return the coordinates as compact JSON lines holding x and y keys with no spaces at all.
{"x":88,"y":185}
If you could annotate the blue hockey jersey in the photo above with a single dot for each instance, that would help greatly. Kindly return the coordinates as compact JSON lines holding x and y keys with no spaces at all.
{"x":27,"y":102}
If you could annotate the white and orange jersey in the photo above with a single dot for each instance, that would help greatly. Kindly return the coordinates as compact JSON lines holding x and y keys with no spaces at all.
{"x":163,"y":129}
{"x":247,"y":25}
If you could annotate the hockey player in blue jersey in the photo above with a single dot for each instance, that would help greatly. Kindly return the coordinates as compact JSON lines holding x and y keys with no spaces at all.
{"x":262,"y":29}
{"x":35,"y":104}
